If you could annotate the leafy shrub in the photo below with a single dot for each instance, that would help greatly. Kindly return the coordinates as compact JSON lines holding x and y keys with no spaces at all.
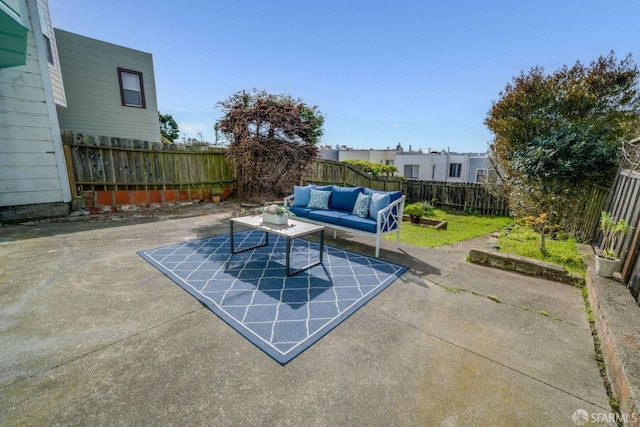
{"x":374,"y":169}
{"x":414,"y":209}
{"x":429,"y":209}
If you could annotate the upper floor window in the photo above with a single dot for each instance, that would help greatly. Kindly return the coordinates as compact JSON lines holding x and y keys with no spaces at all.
{"x":131,"y":88}
{"x":455,"y":170}
{"x":44,"y":26}
{"x":411,"y":171}
{"x":482,"y":175}
{"x":47,"y":45}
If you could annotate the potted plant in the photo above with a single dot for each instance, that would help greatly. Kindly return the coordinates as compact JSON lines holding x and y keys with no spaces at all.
{"x":415,"y":212}
{"x":215,"y":194}
{"x":606,"y":261}
{"x":275,"y":214}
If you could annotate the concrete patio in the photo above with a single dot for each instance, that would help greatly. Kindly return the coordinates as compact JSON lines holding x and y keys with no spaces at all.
{"x":93,"y":335}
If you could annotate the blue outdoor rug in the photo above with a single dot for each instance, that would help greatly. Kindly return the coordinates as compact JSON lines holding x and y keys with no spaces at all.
{"x":283,"y":316}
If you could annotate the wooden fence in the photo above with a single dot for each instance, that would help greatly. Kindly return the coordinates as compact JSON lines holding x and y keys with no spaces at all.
{"x":326,"y":172}
{"x":456,"y":196}
{"x":584,"y":223}
{"x":624,"y":202}
{"x":115,"y":164}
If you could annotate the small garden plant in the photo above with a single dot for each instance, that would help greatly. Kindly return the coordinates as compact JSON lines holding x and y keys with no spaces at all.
{"x":525,"y":241}
{"x":415,"y":212}
{"x":274,"y":209}
{"x":611,"y":229}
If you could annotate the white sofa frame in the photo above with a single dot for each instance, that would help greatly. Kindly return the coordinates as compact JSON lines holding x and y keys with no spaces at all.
{"x":385,"y":218}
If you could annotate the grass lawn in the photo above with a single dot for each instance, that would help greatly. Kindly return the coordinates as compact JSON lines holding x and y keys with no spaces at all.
{"x":459,"y":227}
{"x":521,"y":240}
{"x":526,"y":242}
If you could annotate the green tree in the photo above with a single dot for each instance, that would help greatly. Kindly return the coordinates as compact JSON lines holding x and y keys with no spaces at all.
{"x":168,"y":127}
{"x":374,"y":169}
{"x":272,"y":141}
{"x":556,"y":134}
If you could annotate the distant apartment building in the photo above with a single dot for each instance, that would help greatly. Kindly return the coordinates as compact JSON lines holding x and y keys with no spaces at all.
{"x":442,"y":165}
{"x":386,"y":157}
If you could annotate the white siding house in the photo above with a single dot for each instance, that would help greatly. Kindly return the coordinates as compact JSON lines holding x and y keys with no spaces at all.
{"x":51,"y":47}
{"x":32,"y":166}
{"x":445,"y":166}
{"x":442,"y":166}
{"x":99,"y":78}
{"x":385,"y":157}
{"x":76,"y":83}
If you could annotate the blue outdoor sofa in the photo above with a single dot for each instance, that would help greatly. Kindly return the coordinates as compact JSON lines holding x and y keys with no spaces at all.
{"x":357,"y":210}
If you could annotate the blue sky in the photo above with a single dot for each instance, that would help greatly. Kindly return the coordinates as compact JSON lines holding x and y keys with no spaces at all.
{"x":422,"y":73}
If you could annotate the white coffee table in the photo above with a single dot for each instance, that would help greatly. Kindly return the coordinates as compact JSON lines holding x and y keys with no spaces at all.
{"x":289,"y":231}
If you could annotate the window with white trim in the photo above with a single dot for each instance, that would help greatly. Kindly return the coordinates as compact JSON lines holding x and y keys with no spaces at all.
{"x":131,"y":88}
{"x":44,"y":26}
{"x":482,"y":175}
{"x":47,"y":45}
{"x":455,"y":170}
{"x":411,"y":171}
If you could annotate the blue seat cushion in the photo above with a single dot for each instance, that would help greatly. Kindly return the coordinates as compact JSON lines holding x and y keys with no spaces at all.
{"x":301,"y":195}
{"x":354,"y":221}
{"x":300,"y":211}
{"x":344,"y":198}
{"x":330,"y":217}
{"x":322,"y":187}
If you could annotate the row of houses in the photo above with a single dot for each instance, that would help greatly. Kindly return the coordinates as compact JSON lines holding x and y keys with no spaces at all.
{"x":445,"y":165}
{"x":53,"y":80}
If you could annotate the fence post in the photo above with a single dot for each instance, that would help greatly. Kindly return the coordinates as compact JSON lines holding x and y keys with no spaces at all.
{"x":70,"y":172}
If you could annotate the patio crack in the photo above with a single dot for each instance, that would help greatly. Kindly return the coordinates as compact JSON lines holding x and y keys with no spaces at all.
{"x":496,"y":299}
{"x":468,"y":350}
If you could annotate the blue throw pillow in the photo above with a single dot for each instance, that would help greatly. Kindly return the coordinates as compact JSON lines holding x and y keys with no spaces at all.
{"x":361,"y":208}
{"x":393,"y":195}
{"x":344,"y":198}
{"x":319,"y":199}
{"x":302,"y":195}
{"x":379,"y":201}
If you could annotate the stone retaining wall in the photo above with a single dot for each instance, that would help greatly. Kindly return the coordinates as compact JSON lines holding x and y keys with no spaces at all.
{"x":523,"y":265}
{"x":617,"y":319}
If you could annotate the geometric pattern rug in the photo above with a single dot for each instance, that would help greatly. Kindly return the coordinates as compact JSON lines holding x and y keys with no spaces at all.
{"x":283,"y":316}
